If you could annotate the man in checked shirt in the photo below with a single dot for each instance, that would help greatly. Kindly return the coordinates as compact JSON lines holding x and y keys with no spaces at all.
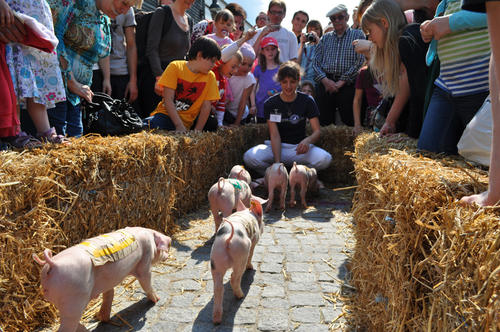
{"x":336,"y":66}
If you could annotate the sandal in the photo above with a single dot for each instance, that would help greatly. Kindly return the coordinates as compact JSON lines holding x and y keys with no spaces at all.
{"x":23,"y":141}
{"x":51,"y":136}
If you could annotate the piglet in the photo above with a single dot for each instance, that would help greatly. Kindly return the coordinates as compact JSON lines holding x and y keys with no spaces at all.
{"x":224,"y":196}
{"x":307,"y":180}
{"x":276,"y":178}
{"x":239,"y":172}
{"x":80,"y":273}
{"x":233,"y":248}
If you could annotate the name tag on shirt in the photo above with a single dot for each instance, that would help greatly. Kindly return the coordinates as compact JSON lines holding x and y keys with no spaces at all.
{"x":275,"y":117}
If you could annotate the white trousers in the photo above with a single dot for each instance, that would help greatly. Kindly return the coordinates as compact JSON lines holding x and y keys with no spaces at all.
{"x":261,"y":157}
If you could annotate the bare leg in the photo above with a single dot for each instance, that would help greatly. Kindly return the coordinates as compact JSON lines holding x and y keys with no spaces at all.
{"x":38,"y":114}
{"x":107,"y":300}
{"x":492,"y":195}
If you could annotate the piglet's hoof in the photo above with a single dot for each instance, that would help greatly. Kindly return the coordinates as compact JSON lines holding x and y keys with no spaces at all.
{"x":153,"y":297}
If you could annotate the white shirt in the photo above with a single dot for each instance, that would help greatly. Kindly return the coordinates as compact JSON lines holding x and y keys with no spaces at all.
{"x":287,"y":42}
{"x":238,"y":85}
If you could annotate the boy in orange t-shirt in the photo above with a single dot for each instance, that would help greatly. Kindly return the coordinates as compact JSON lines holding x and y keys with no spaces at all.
{"x":189,"y":88}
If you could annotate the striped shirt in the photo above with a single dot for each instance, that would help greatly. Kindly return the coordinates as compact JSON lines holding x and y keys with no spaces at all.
{"x":335,"y":56}
{"x":465,"y":58}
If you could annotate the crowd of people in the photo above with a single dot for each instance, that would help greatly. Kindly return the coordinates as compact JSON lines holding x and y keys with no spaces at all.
{"x":423,"y":68}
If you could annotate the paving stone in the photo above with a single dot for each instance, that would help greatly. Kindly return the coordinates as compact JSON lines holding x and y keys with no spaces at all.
{"x":298,"y":257}
{"x":271,"y":267}
{"x":178,"y":315}
{"x":303,"y":286}
{"x":183,"y":300}
{"x":187,"y":285}
{"x":203,"y":298}
{"x":245,"y":316}
{"x":311,"y":328}
{"x":273,"y":291}
{"x":275,"y":302}
{"x":329,"y":313}
{"x":302,"y":277}
{"x":330,"y":287}
{"x":272,"y":320}
{"x":275,"y":257}
{"x":305,"y":315}
{"x":275,"y":249}
{"x":306,"y":298}
{"x":299,"y":267}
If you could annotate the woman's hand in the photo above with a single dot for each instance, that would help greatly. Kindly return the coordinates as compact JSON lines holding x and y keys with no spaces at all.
{"x":387,"y":129}
{"x":14,"y":33}
{"x":249,"y":34}
{"x":6,"y":14}
{"x":80,"y":90}
{"x":356,"y":130}
{"x":362,"y":46}
{"x":436,"y":28}
{"x":303,"y":147}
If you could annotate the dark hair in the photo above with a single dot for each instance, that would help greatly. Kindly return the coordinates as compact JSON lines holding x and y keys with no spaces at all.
{"x":208,"y":48}
{"x":262,"y":60}
{"x":279,"y":3}
{"x":301,"y":12}
{"x":237,"y":10}
{"x":224,"y":15}
{"x":289,"y":69}
{"x":316,"y":24}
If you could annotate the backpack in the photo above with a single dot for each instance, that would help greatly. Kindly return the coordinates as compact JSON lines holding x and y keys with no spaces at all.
{"x":143,"y":18}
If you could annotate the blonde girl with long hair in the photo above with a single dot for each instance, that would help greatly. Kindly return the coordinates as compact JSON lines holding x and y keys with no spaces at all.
{"x":398,"y":63}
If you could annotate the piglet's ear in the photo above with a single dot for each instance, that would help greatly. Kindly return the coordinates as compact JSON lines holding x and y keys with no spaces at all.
{"x":162,"y":242}
{"x":256,"y":207}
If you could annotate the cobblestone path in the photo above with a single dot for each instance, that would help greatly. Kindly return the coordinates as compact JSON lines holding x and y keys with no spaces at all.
{"x":300,"y":274}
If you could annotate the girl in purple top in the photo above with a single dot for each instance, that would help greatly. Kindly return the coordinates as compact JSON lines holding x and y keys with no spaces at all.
{"x":265,"y":75}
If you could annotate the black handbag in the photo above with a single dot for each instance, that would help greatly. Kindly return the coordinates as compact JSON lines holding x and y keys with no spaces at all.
{"x":108,"y":116}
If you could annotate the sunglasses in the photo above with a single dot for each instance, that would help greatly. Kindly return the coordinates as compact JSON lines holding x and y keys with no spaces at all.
{"x":241,"y":28}
{"x":276,"y":12}
{"x":334,"y":18}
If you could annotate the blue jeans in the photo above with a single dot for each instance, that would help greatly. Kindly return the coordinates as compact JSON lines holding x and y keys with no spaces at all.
{"x":158,"y":121}
{"x":66,"y":119}
{"x":446,"y":119}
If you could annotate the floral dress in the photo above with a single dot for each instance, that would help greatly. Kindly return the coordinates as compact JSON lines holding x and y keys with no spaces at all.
{"x":35,"y":74}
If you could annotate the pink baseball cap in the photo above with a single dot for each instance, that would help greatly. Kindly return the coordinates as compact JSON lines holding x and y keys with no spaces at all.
{"x":268,"y":41}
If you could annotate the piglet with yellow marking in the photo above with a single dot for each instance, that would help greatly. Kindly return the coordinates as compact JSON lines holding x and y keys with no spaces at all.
{"x":80,"y":273}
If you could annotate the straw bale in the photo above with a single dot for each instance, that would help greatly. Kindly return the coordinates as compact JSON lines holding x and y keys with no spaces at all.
{"x":339,"y":142}
{"x":56,"y":196}
{"x":422,"y":261}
